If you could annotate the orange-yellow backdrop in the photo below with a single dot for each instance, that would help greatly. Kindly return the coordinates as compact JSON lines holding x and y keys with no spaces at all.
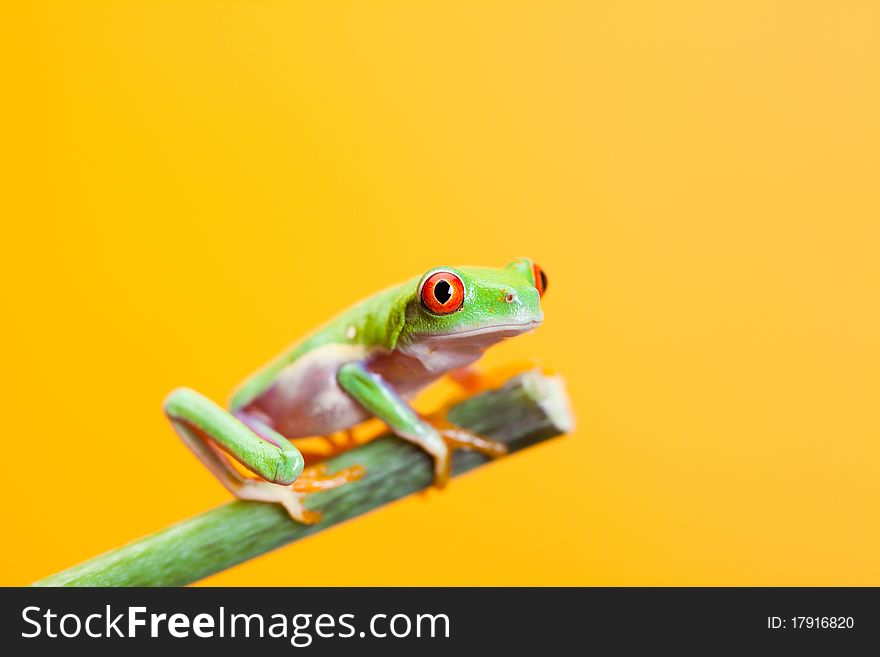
{"x":192,"y":185}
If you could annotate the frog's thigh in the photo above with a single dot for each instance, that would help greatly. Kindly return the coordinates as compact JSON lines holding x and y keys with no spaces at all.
{"x":193,"y":414}
{"x":196,"y":417}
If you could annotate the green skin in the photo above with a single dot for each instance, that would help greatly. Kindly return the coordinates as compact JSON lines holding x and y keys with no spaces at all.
{"x":364,"y":363}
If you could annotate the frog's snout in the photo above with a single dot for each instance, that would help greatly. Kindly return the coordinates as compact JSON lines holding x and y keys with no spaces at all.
{"x":521,"y":306}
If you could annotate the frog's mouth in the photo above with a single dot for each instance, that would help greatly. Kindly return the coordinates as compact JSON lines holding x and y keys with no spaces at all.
{"x":495,"y":331}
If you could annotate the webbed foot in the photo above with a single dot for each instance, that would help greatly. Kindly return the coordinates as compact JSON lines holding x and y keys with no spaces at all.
{"x":454,"y":438}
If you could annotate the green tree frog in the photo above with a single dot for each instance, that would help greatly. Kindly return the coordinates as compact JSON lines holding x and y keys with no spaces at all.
{"x":367,"y":362}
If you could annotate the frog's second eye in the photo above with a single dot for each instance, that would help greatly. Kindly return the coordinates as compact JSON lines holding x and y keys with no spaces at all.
{"x":442,"y":293}
{"x":540,"y":279}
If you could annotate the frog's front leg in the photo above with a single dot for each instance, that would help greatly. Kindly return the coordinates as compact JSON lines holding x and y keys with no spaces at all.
{"x":375,"y":395}
{"x":196,"y":417}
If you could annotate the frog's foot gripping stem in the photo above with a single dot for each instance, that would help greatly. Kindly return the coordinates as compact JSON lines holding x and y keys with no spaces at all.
{"x":457,"y":438}
{"x":315,"y":478}
{"x":214,"y":434}
{"x":321,"y":448}
{"x":433,"y":434}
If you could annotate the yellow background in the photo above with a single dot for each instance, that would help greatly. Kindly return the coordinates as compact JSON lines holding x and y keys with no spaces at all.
{"x":189,"y":186}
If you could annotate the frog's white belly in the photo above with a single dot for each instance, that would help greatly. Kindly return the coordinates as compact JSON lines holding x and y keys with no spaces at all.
{"x":306,"y":399}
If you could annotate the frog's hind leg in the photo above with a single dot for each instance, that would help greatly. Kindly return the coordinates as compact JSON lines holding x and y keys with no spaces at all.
{"x":212,"y":433}
{"x":315,"y":478}
{"x":473,"y":379}
{"x":341,"y":441}
{"x":314,"y":449}
{"x":349,"y":439}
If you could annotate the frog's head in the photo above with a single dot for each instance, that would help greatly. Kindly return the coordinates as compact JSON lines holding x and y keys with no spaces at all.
{"x":476,"y":305}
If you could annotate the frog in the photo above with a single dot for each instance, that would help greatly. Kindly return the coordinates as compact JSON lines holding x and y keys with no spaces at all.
{"x":370,"y":361}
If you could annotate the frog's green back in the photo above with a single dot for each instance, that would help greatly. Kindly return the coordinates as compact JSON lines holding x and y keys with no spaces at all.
{"x":374,"y":322}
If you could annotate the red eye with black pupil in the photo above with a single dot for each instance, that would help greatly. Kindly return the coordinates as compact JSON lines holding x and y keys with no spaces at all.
{"x":443,"y":293}
{"x":540,"y":279}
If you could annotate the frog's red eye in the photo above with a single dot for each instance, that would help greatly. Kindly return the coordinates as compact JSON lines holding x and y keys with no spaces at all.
{"x":442,"y":293}
{"x":540,"y":279}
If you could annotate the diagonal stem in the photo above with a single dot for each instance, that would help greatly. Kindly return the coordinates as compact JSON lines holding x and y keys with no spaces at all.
{"x":528,"y":409}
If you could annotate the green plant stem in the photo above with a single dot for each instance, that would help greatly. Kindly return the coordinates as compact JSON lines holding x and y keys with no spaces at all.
{"x":528,"y":409}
